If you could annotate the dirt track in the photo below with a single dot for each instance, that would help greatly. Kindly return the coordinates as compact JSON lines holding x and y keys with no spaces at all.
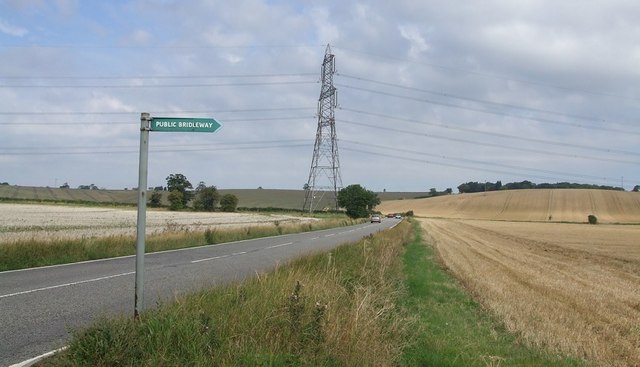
{"x":22,"y":221}
{"x":558,"y":205}
{"x":574,"y":288}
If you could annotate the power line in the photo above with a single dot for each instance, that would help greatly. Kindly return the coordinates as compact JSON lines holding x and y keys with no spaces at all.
{"x":172,"y":145}
{"x":104,"y":77}
{"x":470,"y":99}
{"x":156,"y":150}
{"x":500,"y":146}
{"x":494,"y":134}
{"x":474,"y":161}
{"x":173,"y":112}
{"x":447,"y":165}
{"x":491,"y":76}
{"x":94,"y":123}
{"x":200,"y":85}
{"x":422,"y":100}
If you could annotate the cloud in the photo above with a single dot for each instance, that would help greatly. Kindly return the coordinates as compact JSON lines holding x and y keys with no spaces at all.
{"x":428,"y":82}
{"x":12,"y":30}
{"x":412,"y":34}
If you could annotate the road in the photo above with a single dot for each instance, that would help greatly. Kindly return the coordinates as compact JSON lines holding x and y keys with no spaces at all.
{"x":39,"y":308}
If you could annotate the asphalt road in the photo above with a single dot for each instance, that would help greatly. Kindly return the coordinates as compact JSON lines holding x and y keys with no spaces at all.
{"x":39,"y":308}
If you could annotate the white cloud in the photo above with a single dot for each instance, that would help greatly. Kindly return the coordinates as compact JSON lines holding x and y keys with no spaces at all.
{"x":12,"y":30}
{"x":412,"y":34}
{"x":574,"y":58}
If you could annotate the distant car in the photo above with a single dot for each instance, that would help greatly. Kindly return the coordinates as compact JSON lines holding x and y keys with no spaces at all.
{"x":375,"y":219}
{"x":398,"y":216}
{"x":390,"y":215}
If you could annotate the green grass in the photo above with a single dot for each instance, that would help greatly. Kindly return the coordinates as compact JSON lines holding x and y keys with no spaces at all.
{"x":383,"y":301}
{"x":33,"y":253}
{"x":452,"y":329}
{"x":329,"y":309}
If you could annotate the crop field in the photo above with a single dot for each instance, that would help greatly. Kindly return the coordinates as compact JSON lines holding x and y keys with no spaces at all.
{"x":529,"y":257}
{"x":571,"y":288}
{"x":55,"y":222}
{"x":540,"y":205}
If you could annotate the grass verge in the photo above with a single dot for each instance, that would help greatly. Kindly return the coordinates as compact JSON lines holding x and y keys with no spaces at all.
{"x":33,"y":253}
{"x":451,"y":329}
{"x":330,"y":309}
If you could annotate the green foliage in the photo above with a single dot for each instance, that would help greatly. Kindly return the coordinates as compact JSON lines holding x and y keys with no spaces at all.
{"x":341,"y":312}
{"x":592,"y":219}
{"x":178,"y":182}
{"x":469,"y":187}
{"x":155,"y":200}
{"x":176,"y":200}
{"x":206,"y":198}
{"x":228,"y":203}
{"x":357,"y":200}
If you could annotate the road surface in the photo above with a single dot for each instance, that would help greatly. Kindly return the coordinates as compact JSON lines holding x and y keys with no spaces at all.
{"x":40,"y":307}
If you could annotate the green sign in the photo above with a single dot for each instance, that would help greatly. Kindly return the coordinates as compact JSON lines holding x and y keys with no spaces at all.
{"x":180,"y":124}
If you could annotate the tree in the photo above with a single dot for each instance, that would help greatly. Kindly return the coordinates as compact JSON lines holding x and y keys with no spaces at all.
{"x":206,"y":197}
{"x":357,"y":200}
{"x":178,"y":182}
{"x":176,"y":200}
{"x":636,"y":188}
{"x":155,"y":200}
{"x":228,"y":203}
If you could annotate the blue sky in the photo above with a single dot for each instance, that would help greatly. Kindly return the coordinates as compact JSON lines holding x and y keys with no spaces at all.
{"x":430,"y":94}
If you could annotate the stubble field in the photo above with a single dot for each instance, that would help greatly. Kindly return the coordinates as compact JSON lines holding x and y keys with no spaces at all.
{"x":529,"y":257}
{"x":569,"y":288}
{"x":56,"y":222}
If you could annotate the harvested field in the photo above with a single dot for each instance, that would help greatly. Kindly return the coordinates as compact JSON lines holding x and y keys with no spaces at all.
{"x":571,"y":288}
{"x":54,"y":222}
{"x":543,"y":205}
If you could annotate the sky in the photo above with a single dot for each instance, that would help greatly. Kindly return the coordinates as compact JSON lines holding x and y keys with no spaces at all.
{"x":431,"y":94}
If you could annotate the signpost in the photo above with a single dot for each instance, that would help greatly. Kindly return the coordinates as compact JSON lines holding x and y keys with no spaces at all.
{"x":176,"y":124}
{"x":169,"y":124}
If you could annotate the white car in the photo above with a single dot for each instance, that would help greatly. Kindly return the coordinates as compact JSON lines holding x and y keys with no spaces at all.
{"x":375,"y":219}
{"x":398,"y":216}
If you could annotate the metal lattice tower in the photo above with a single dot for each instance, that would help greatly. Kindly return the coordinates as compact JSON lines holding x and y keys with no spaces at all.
{"x":324,"y":176}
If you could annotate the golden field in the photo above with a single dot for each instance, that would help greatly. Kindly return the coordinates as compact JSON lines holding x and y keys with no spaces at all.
{"x":568,"y":287}
{"x":552,"y":205}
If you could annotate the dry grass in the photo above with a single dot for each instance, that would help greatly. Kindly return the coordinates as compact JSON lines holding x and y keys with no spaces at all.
{"x":328,"y":309}
{"x":557,"y":205}
{"x":21,"y":222}
{"x":570,"y":288}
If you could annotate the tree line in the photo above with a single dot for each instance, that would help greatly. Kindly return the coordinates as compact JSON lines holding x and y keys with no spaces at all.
{"x":470,"y":187}
{"x":203,"y":198}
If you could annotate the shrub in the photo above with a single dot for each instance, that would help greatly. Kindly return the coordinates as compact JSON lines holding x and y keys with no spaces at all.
{"x":593,"y":219}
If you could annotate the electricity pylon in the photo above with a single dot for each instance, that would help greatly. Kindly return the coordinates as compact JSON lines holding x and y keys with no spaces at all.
{"x":324,"y":176}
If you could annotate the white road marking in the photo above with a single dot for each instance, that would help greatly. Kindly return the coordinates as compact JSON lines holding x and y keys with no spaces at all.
{"x":330,"y":234}
{"x":280,"y":245}
{"x":238,"y":253}
{"x":66,"y":284}
{"x":314,"y":238}
{"x":209,"y":258}
{"x":32,"y":361}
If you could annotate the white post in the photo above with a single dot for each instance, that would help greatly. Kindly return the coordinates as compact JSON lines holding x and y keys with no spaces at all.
{"x":142,"y":211}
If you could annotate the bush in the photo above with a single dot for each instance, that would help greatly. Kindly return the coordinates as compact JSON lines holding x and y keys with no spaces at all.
{"x":593,"y":219}
{"x":176,"y":200}
{"x":155,"y":201}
